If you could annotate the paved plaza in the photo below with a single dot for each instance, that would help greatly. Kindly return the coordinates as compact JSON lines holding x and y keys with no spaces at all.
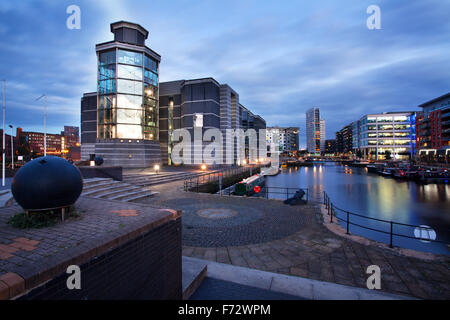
{"x":269,"y":236}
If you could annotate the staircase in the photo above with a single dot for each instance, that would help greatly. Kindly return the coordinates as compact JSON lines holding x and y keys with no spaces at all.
{"x":146,"y":180}
{"x":109,"y":189}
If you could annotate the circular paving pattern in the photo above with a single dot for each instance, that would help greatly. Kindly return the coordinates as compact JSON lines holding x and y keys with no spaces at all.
{"x":221,"y":222}
{"x":216,"y":213}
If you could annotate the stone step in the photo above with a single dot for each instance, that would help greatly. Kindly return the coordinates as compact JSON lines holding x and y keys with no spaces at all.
{"x":91,"y":181}
{"x":98,"y":193}
{"x":137,"y":196}
{"x":101,"y":186}
{"x":193,"y":274}
{"x":117,"y":194}
{"x":159,"y":180}
{"x":140,"y":178}
{"x":5,"y":197}
{"x":99,"y":189}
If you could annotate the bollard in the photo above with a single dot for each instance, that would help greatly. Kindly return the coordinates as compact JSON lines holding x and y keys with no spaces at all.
{"x":348,"y":222}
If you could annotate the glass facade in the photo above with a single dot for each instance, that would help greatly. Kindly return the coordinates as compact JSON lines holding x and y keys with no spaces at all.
{"x":127,"y":95}
{"x":394,"y":133}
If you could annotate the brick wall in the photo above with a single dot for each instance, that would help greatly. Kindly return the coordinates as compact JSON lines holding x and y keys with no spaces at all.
{"x":146,"y":267}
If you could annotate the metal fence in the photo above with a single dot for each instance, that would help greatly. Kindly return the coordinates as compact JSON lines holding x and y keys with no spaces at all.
{"x":392,"y":228}
{"x":273,"y":193}
{"x":194,"y":183}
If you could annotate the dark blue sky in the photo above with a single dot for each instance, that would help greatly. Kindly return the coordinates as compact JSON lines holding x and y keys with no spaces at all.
{"x":283,"y":57}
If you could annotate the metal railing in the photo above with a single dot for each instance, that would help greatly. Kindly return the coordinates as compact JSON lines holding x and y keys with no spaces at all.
{"x":195,"y":183}
{"x":285,"y":193}
{"x":334,"y":211}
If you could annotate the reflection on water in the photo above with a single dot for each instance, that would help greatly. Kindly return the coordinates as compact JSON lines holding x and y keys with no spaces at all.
{"x":356,"y":190}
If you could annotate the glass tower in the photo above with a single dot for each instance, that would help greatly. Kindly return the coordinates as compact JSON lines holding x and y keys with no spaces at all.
{"x":127,"y":86}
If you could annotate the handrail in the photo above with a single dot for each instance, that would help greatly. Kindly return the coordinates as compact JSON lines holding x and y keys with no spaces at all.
{"x":331,"y":211}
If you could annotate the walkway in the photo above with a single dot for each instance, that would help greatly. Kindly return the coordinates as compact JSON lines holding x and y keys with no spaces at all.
{"x":299,"y":244}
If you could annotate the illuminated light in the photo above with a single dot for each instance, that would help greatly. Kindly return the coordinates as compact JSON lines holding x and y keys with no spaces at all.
{"x":257,"y":189}
{"x":156,"y":167}
{"x":203,"y":167}
{"x":92,"y":163}
{"x":244,"y":162}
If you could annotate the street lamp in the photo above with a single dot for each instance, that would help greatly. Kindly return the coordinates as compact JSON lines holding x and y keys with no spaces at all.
{"x":45,"y":122}
{"x":156,"y":167}
{"x":12,"y":147}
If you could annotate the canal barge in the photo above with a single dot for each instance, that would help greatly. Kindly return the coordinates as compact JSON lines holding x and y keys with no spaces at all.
{"x":247,"y":186}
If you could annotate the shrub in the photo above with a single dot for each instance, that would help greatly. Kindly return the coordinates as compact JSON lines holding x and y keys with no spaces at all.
{"x":40,"y":219}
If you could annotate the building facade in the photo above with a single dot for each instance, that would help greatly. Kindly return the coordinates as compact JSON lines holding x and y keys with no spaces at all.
{"x":288,"y":138}
{"x":126,"y":120}
{"x":315,"y":131}
{"x":200,"y":104}
{"x":88,"y":124}
{"x":433,"y":129}
{"x":344,"y":140}
{"x":330,"y":146}
{"x":131,"y":118}
{"x":389,"y":135}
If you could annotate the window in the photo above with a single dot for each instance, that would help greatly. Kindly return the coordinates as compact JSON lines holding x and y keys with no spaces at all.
{"x":129,"y":72}
{"x":128,"y":86}
{"x":127,"y":131}
{"x":129,"y":116}
{"x":125,"y":101}
{"x":107,"y":86}
{"x":151,"y":78}
{"x":129,"y":57}
{"x":151,"y":64}
{"x":108,"y":57}
{"x":106,"y":72}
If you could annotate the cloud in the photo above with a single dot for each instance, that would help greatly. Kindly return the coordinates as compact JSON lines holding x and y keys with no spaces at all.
{"x":281,"y":59}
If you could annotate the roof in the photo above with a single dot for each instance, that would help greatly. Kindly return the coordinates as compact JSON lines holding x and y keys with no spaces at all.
{"x":445,"y":96}
{"x":131,"y":25}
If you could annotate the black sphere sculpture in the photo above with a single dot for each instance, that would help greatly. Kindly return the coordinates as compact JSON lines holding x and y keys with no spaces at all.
{"x":98,"y":161}
{"x":47,"y":183}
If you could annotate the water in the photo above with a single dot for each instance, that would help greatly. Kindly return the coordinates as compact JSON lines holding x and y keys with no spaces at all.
{"x":355,"y":190}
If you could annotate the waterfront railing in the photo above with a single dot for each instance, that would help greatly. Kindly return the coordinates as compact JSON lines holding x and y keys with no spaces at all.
{"x":355,"y":219}
{"x":196,"y":182}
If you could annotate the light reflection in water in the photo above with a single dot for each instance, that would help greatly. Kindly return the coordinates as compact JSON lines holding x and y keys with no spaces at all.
{"x":365,"y":193}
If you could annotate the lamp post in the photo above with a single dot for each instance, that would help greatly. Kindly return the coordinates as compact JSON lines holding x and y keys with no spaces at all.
{"x":12,"y":147}
{"x":45,"y":122}
{"x":4,"y":149}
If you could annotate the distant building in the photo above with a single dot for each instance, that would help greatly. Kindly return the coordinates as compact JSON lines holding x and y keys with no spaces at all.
{"x":392,"y":133}
{"x":55,"y":143}
{"x":288,"y":138}
{"x":433,"y":128}
{"x":330,"y":146}
{"x":72,"y":136}
{"x":315,"y":131}
{"x":344,"y":140}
